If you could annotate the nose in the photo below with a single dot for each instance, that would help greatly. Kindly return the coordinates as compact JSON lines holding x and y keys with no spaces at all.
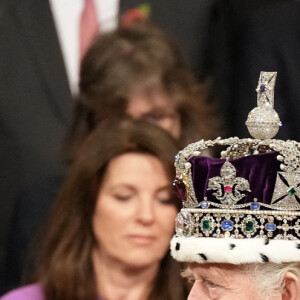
{"x":196,"y":293}
{"x":146,"y":211}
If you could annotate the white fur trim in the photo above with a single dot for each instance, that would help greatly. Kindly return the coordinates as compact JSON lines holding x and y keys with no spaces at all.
{"x":234,"y":251}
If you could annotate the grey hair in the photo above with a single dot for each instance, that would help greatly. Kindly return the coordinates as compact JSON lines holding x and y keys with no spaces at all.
{"x":269,"y":277}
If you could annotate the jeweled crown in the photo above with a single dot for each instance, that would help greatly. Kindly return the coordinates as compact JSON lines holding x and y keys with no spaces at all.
{"x":250,"y":195}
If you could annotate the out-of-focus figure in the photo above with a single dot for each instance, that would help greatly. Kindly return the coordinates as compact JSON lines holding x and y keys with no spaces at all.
{"x":139,"y":72}
{"x":109,"y":231}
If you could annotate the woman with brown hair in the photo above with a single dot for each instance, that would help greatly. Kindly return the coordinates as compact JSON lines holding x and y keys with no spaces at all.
{"x":139,"y":72}
{"x":109,"y":231}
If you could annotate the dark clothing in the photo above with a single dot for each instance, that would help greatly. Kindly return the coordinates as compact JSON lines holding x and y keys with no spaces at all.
{"x":247,"y":37}
{"x":35,"y":106}
{"x":32,"y":208}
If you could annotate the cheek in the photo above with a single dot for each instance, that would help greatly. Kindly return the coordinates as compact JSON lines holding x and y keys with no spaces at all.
{"x":173,"y":126}
{"x":166,"y":217}
{"x":176,"y":130}
{"x":106,"y":223}
{"x":100,"y":226}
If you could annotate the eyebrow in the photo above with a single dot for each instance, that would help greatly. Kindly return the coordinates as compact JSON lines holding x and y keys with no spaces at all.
{"x":217,"y":279}
{"x":166,"y":187}
{"x":121,"y":185}
{"x":129,"y":186}
{"x":188,"y":272}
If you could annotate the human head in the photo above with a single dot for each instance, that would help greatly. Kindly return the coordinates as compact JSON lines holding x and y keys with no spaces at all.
{"x":241,"y":211}
{"x":133,"y":219}
{"x":140,"y":64}
{"x":255,"y":281}
{"x":66,"y":266}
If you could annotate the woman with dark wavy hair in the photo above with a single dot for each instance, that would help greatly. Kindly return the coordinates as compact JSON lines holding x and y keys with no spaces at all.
{"x":109,"y":231}
{"x":139,"y":72}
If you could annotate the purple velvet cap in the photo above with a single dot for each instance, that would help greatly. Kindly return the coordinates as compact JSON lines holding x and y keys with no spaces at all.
{"x":260,"y":170}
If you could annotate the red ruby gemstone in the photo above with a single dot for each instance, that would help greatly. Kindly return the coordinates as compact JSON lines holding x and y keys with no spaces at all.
{"x":180,"y":189}
{"x":228,"y":188}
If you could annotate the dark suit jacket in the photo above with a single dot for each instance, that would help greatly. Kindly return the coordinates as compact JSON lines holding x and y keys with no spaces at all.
{"x":269,"y":40}
{"x":35,"y":105}
{"x":248,"y":37}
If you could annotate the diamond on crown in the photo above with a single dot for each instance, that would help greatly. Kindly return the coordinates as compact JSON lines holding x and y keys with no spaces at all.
{"x":228,"y":186}
{"x":263,"y":121}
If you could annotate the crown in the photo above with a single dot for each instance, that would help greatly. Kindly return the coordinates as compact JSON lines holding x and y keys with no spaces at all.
{"x":244,"y":206}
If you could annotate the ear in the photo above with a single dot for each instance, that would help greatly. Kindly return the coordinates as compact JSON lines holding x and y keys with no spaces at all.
{"x":292,"y":287}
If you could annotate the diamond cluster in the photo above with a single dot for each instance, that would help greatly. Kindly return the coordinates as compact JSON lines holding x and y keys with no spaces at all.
{"x":232,"y":185}
{"x":263,"y":121}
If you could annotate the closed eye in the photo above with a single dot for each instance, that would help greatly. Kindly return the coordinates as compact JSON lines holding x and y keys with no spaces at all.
{"x":164,"y":196}
{"x":124,"y":198}
{"x":167,"y":200}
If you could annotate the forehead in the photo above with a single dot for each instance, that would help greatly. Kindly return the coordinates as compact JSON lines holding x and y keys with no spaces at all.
{"x":130,"y":166}
{"x":143,"y":100}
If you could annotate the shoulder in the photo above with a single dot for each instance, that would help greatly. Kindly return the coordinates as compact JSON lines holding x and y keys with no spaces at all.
{"x":28,"y":292}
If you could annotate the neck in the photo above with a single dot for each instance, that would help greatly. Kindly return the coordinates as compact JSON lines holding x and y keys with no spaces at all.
{"x":117,"y":281}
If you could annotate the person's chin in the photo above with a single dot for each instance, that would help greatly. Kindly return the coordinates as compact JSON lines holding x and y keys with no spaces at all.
{"x":142,"y":260}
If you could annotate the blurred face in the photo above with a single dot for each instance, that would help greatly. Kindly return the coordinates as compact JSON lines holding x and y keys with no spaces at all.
{"x":134,"y":216}
{"x":221,"y":282}
{"x":156,"y":108}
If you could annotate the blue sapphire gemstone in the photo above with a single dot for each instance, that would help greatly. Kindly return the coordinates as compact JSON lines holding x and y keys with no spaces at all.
{"x":262,"y":88}
{"x":255,"y":205}
{"x":270,"y":227}
{"x":227,"y":225}
{"x":203,"y":204}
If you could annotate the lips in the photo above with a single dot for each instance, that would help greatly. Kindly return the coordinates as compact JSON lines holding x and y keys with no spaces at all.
{"x":141,"y":239}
